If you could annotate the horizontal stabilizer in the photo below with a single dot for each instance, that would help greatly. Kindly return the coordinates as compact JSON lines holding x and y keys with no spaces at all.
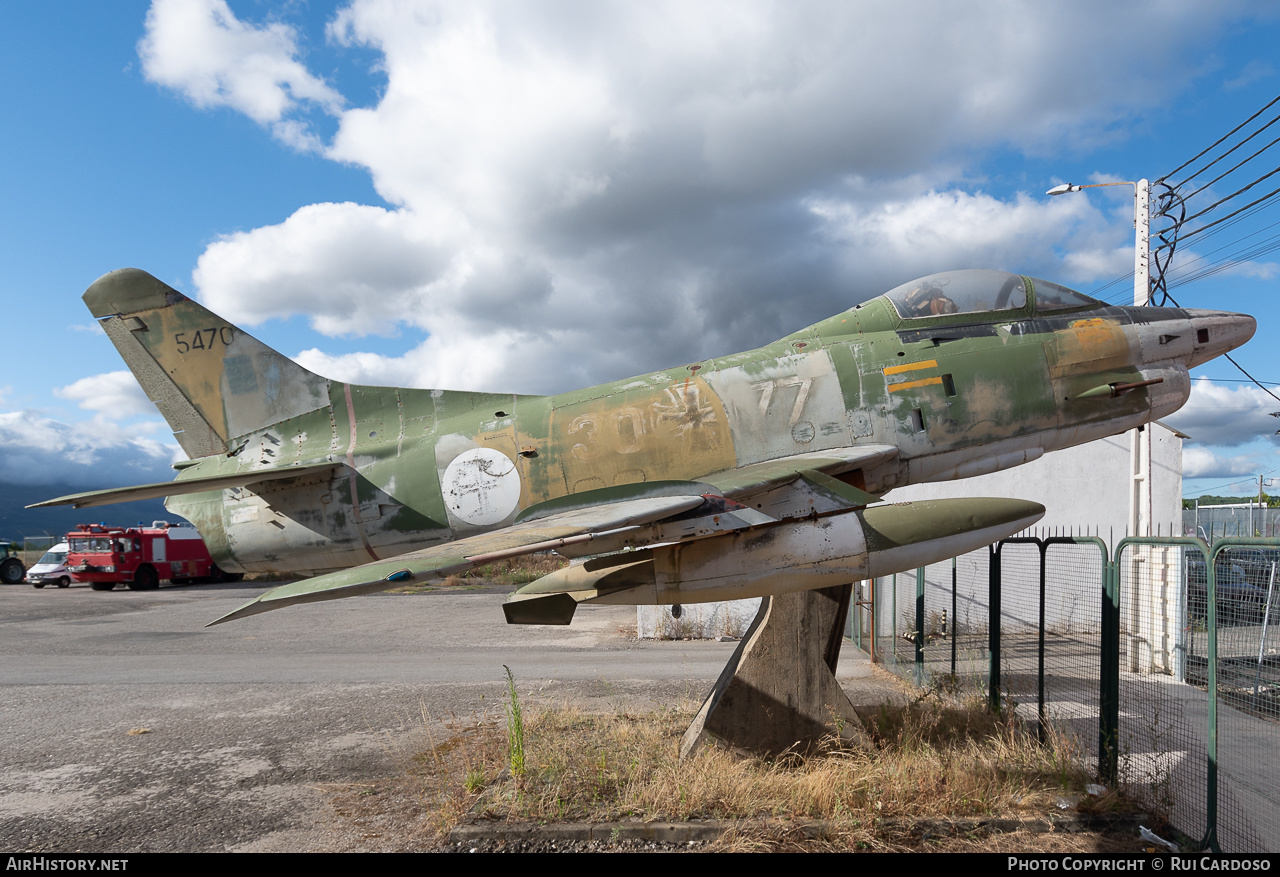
{"x":183,"y":486}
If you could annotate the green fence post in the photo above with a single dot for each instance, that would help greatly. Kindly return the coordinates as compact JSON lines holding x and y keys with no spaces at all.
{"x":920,"y":626}
{"x":951,"y":626}
{"x":1109,"y":693}
{"x":1211,"y":778}
{"x":993,"y":628}
{"x":1042,"y":719}
{"x":893,"y":622}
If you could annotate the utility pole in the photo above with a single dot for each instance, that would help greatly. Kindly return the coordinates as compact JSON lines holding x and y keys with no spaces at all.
{"x":1140,"y":504}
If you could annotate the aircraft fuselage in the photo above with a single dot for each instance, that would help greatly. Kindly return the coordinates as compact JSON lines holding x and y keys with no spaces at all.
{"x":948,"y":394}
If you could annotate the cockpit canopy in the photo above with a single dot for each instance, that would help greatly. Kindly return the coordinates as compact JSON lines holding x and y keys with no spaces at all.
{"x":981,"y":291}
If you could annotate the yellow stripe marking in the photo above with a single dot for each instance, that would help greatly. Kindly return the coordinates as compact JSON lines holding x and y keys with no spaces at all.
{"x":907,"y":385}
{"x":910,"y":367}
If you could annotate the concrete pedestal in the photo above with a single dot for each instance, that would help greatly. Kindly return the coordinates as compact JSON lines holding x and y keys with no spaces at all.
{"x":778,"y":692}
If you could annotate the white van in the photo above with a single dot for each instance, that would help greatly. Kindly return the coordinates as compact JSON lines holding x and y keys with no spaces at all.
{"x":52,"y":568}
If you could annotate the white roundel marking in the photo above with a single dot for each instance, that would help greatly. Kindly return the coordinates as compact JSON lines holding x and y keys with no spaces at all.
{"x":481,"y":486}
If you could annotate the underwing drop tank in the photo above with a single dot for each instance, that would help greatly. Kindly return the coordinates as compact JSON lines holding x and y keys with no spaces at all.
{"x":778,"y":558}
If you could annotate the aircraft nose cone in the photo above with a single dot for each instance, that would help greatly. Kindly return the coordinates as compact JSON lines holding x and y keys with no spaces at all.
{"x":1218,"y":332}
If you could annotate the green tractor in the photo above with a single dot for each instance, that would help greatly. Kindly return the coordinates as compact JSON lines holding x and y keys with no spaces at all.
{"x":12,"y":571}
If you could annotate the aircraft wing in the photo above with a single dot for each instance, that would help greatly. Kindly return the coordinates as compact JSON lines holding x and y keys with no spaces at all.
{"x":246,"y":478}
{"x":641,"y":504}
{"x":610,"y":519}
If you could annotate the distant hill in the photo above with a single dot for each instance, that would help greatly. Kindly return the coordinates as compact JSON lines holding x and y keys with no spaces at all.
{"x":18,"y":522}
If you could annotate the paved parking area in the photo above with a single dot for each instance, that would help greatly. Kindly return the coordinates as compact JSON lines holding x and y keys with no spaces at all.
{"x":130,"y":727}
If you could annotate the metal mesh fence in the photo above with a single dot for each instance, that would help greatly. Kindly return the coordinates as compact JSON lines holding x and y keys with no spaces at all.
{"x":34,"y":547}
{"x":1051,"y":653}
{"x":895,"y":598}
{"x":955,"y":623}
{"x":1220,"y":522}
{"x":962,"y":655}
{"x":1051,"y":657}
{"x":1248,"y":684}
{"x":1019,"y":626}
{"x":1248,"y":619}
{"x":1162,"y":731}
{"x":1166,"y":711}
{"x":956,"y":614}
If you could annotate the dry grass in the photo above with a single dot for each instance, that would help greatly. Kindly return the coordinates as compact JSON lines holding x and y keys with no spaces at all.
{"x":929,"y":761}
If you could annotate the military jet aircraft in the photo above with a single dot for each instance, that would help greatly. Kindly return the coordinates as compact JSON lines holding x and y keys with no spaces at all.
{"x":740,"y":476}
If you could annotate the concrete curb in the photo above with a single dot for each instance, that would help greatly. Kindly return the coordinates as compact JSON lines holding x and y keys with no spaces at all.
{"x":706,"y":831}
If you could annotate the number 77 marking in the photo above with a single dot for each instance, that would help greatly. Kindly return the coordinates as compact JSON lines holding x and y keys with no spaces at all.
{"x":766,"y":389}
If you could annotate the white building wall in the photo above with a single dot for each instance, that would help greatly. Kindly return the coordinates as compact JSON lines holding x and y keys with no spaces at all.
{"x":1084,"y":486}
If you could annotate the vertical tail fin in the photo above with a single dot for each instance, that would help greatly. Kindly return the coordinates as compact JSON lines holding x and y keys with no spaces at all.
{"x":211,"y":381}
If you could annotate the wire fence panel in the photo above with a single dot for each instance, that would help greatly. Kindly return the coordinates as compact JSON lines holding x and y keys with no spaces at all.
{"x":1051,"y":637}
{"x":1167,"y":674}
{"x":895,"y":598}
{"x":1163,"y":723}
{"x":1248,"y":685}
{"x":1020,"y":626}
{"x":1167,"y":659}
{"x":1074,"y":583}
{"x":1220,"y":522}
{"x":955,"y":622}
{"x":961,"y":654}
{"x":957,"y":628}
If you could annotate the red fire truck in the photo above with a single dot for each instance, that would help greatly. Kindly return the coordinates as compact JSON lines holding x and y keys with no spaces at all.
{"x":140,"y":556}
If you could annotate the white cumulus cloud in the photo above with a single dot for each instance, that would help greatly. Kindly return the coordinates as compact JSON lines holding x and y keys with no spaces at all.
{"x":581,"y":192}
{"x":1198,"y":462}
{"x":1226,"y":416}
{"x":35,"y":449}
{"x":937,"y":230}
{"x":202,"y":50}
{"x":353,"y":269}
{"x":114,"y":395}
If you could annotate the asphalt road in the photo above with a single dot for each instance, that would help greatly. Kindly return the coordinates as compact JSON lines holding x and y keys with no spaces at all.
{"x":129,"y":727}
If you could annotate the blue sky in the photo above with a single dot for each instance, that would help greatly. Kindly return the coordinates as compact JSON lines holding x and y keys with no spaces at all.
{"x":538,"y":196}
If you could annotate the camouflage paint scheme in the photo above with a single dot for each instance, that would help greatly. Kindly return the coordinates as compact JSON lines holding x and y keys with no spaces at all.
{"x":292,"y":472}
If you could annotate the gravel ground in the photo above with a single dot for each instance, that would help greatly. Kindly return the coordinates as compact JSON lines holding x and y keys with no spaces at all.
{"x":129,"y":727}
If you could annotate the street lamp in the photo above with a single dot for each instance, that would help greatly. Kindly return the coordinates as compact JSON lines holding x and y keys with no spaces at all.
{"x":1139,"y":439}
{"x":1142,"y":231}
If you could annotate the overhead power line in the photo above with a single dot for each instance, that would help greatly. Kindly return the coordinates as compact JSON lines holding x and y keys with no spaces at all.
{"x":1210,"y":225}
{"x":1186,"y":210}
{"x":1179,"y":203}
{"x":1219,"y":140}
